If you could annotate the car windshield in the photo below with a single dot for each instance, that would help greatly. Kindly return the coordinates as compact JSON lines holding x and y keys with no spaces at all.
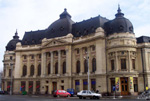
{"x":88,"y":91}
{"x":70,"y":90}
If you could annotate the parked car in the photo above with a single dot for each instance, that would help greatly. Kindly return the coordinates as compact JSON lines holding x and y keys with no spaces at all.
{"x":3,"y":92}
{"x":58,"y":93}
{"x":87,"y":93}
{"x":144,"y":95}
{"x":71,"y":91}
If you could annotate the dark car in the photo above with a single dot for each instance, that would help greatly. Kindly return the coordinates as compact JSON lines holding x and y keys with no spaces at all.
{"x":71,"y":91}
{"x":58,"y":93}
{"x":3,"y":92}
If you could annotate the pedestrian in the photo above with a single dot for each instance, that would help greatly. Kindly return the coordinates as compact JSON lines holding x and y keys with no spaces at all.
{"x":97,"y":91}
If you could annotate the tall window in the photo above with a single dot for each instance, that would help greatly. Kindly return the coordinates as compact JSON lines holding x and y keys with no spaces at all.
{"x":135,"y":82}
{"x":38,"y":87}
{"x":93,"y":84}
{"x":56,"y":68}
{"x":133,"y":63}
{"x":77,"y":86}
{"x":112,"y":84}
{"x":24,"y":70}
{"x":85,"y":83}
{"x":49,"y":68}
{"x":39,"y":69}
{"x":112,"y":65}
{"x":123,"y":63}
{"x":9,"y":72}
{"x":32,"y":56}
{"x":93,"y":65}
{"x":4,"y":72}
{"x":32,"y":70}
{"x":85,"y":66}
{"x":30,"y":87}
{"x":64,"y":67}
{"x":8,"y":86}
{"x":23,"y":85}
{"x":78,"y":67}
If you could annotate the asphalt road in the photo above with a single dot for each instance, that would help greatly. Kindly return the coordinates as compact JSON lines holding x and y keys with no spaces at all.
{"x":51,"y":98}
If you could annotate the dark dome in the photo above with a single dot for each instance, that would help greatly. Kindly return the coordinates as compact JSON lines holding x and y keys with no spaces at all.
{"x":61,"y":27}
{"x":12,"y":43}
{"x":119,"y":24}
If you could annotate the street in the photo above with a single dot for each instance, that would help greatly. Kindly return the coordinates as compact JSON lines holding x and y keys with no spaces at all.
{"x":51,"y":98}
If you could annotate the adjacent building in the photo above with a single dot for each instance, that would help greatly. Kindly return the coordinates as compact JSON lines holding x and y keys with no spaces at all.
{"x":59,"y":56}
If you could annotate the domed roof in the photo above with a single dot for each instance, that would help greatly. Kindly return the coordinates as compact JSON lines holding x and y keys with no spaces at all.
{"x":119,"y":24}
{"x":60,"y":27}
{"x":12,"y":43}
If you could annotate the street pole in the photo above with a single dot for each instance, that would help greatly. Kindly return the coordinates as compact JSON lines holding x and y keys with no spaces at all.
{"x":88,"y":71}
{"x":11,"y":78}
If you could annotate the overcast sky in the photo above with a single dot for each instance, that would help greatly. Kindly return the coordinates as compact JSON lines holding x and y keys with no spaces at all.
{"x":27,"y":15}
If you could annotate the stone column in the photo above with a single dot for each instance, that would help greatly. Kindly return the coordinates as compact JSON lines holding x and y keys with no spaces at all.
{"x":34,"y":87}
{"x":59,"y":62}
{"x":90,"y":60}
{"x":43,"y":64}
{"x":116,"y":58}
{"x":18,"y":68}
{"x":28,"y":65}
{"x":81,"y":61}
{"x":81,"y":84}
{"x":27,"y":86}
{"x":35,"y":65}
{"x":52,"y":57}
{"x":129,"y":62}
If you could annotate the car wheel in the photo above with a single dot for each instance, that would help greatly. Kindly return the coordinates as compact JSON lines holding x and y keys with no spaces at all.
{"x":80,"y":97}
{"x":84,"y":97}
{"x":58,"y":95}
{"x":97,"y":97}
{"x":94,"y":97}
{"x":68,"y":95}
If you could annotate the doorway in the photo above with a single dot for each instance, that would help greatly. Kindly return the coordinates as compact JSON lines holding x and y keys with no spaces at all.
{"x":124,"y":86}
{"x":54,"y":86}
{"x":46,"y":92}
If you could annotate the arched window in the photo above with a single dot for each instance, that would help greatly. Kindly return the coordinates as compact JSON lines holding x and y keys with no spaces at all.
{"x":64,"y":67}
{"x":24,"y":70}
{"x":49,"y":68}
{"x":32,"y":70}
{"x":85,"y":66}
{"x":78,"y":67}
{"x":39,"y":69}
{"x":56,"y":68}
{"x":93,"y":65}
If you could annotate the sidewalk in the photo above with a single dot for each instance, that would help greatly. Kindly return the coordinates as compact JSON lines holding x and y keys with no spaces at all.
{"x":120,"y":97}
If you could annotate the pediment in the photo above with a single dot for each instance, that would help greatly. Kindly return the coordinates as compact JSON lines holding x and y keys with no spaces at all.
{"x":54,"y":42}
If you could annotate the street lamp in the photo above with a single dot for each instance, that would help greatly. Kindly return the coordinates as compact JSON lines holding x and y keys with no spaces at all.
{"x":87,"y":61}
{"x":11,"y":65}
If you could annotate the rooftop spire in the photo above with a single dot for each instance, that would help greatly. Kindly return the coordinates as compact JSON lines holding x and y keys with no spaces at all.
{"x":119,"y":10}
{"x":16,"y":35}
{"x":65,"y":14}
{"x":119,"y":14}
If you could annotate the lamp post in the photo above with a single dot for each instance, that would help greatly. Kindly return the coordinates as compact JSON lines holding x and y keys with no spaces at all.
{"x":87,"y":61}
{"x":11,"y":65}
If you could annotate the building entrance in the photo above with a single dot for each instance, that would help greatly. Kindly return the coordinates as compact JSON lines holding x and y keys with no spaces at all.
{"x":54,"y":86}
{"x":124,"y":86}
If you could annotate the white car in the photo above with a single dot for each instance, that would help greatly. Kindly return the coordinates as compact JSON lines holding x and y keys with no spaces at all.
{"x":87,"y":93}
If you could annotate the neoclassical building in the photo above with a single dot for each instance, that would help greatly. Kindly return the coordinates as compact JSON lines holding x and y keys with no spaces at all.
{"x":59,"y":56}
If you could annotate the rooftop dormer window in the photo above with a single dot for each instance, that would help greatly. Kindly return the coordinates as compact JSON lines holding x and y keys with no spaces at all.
{"x":131,"y":28}
{"x":52,"y":30}
{"x":61,"y":28}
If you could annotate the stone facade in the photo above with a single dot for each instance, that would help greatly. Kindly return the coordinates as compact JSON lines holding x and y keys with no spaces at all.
{"x":61,"y":63}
